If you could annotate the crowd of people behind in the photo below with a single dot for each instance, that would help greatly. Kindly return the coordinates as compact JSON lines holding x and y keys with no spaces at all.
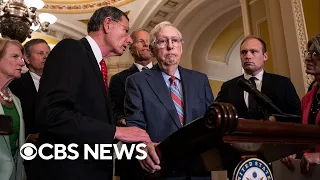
{"x":65,"y":97}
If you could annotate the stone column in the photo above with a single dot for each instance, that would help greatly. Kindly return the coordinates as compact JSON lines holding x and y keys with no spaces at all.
{"x":246,"y":17}
{"x":288,"y":40}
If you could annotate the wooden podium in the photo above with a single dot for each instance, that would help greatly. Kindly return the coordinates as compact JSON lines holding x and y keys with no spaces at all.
{"x":211,"y":142}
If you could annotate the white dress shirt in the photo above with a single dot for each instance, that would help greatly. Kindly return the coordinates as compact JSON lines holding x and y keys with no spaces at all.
{"x":258,"y":81}
{"x":139,"y":66}
{"x":36,"y":79}
{"x":96,"y":50}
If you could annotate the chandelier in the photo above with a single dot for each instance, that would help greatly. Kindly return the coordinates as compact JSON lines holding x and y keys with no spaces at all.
{"x":18,"y":18}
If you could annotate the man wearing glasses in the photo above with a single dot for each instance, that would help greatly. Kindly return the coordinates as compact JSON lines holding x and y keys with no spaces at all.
{"x":73,"y":104}
{"x":280,"y":90}
{"x":167,"y":97}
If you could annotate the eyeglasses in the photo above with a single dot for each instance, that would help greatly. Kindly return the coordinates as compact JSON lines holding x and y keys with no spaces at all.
{"x":164,"y":42}
{"x":125,"y":27}
{"x":312,"y":53}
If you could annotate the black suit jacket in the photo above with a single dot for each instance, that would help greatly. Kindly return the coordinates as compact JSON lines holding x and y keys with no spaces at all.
{"x":123,"y":167}
{"x":25,"y":90}
{"x":73,"y":107}
{"x":278,"y":88}
{"x":117,"y":91}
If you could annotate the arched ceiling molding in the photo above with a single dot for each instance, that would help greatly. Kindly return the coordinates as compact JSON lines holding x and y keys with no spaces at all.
{"x":225,"y":40}
{"x":69,"y":28}
{"x":81,"y":6}
{"x":49,"y":38}
{"x":158,"y":11}
{"x":216,"y":70}
{"x":191,"y":9}
{"x":196,"y":17}
{"x":138,"y":18}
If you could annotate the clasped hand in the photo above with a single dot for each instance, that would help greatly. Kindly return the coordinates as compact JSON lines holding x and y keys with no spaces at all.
{"x":307,"y":162}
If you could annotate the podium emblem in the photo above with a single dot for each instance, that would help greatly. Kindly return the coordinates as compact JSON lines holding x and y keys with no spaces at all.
{"x":252,"y":169}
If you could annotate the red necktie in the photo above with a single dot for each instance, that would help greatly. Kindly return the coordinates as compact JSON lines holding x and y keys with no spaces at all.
{"x":104,"y":70}
{"x":176,"y":97}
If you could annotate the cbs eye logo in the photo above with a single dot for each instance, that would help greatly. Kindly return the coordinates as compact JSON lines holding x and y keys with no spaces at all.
{"x":28,"y":151}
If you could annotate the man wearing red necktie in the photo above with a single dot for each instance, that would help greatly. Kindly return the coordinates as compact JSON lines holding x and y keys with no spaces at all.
{"x":73,"y":104}
{"x":167,"y":97}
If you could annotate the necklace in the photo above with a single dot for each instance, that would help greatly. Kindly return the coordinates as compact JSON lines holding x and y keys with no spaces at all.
{"x":8,"y":99}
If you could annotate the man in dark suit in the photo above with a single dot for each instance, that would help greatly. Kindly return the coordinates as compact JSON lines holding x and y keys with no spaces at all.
{"x":26,"y":87}
{"x":279,"y":89}
{"x":142,"y":57}
{"x":73,"y":105}
{"x":167,"y":97}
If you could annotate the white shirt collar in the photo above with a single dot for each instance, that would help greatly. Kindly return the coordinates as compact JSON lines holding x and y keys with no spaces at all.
{"x":139,"y":66}
{"x":36,"y":79}
{"x":259,"y":76}
{"x":176,"y":75}
{"x":95,"y":49}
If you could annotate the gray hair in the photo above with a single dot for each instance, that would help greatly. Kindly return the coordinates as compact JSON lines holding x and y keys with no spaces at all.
{"x":316,"y":41}
{"x":98,"y":17}
{"x":133,"y":35}
{"x":155,"y":31}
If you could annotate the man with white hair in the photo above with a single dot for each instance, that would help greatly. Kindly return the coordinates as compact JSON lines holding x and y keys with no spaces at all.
{"x":165,"y":98}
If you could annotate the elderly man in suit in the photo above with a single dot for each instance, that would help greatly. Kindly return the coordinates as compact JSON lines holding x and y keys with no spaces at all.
{"x":253,"y":54}
{"x":142,"y":57}
{"x":167,"y":97}
{"x":73,"y":104}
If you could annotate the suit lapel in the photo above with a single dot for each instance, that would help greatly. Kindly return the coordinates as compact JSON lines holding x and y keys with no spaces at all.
{"x":265,"y":81}
{"x":29,"y":82}
{"x":188,"y":95}
{"x":133,"y":69}
{"x":21,"y":128}
{"x":239,"y":94}
{"x":7,"y":140}
{"x":159,"y":87}
{"x":94,"y":65}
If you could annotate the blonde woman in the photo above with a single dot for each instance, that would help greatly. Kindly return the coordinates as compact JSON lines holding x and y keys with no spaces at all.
{"x":11,"y":63}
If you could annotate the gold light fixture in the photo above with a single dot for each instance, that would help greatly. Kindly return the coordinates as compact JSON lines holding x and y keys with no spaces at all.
{"x":18,"y":18}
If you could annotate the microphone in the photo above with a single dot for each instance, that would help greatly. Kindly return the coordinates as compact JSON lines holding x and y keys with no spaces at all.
{"x":259,"y":96}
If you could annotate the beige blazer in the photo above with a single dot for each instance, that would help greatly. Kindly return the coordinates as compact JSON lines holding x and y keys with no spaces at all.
{"x":11,"y":168}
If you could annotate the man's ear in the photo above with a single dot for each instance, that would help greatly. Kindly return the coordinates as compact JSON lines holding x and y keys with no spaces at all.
{"x":130,"y":50}
{"x":265,"y":56}
{"x":152,"y":50}
{"x":26,"y":59}
{"x":107,"y":25}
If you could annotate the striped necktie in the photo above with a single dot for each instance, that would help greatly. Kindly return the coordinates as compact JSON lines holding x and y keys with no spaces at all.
{"x":176,"y":97}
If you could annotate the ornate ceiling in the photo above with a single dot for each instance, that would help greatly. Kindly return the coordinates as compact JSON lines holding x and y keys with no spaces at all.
{"x":80,"y":6}
{"x":200,"y":21}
